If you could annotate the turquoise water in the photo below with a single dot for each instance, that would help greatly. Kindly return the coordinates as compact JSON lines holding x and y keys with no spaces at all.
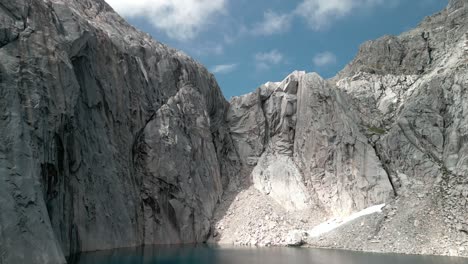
{"x":214,"y":255}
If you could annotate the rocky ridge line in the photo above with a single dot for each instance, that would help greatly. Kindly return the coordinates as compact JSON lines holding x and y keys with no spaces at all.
{"x":395,"y":111}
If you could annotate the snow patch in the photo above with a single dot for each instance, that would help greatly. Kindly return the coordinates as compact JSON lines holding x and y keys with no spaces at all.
{"x":335,"y":223}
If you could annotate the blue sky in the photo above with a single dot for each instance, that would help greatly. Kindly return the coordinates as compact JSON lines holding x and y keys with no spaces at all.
{"x":248,"y":42}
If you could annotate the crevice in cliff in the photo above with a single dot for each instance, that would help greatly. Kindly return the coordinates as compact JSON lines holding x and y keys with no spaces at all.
{"x":10,"y":36}
{"x":266,"y":137}
{"x":425,"y":36}
{"x":9,"y":12}
{"x":56,"y":20}
{"x":423,"y":148}
{"x":135,"y":145}
{"x":386,"y":168}
{"x":25,"y":18}
{"x":4,"y":43}
{"x":49,"y":181}
{"x":75,"y":240}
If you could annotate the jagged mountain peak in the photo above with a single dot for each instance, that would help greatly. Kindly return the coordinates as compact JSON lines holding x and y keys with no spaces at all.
{"x":388,"y":128}
{"x":416,"y":51}
{"x":457,"y":4}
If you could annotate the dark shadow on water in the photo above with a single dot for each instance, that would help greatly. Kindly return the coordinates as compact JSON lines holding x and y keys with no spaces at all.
{"x":197,"y":254}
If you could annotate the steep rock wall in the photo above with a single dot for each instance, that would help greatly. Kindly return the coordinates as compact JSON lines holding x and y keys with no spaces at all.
{"x":314,"y":154}
{"x":389,"y":128}
{"x":109,"y":139}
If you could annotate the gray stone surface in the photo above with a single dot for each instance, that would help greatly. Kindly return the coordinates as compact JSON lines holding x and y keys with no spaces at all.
{"x":417,"y":120}
{"x":296,"y":238}
{"x":340,"y":166}
{"x":313,"y":155}
{"x":108,"y":138}
{"x":390,"y":128}
{"x":414,"y":115}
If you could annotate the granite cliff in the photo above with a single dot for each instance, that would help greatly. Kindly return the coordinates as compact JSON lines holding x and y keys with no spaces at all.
{"x":110,"y":139}
{"x":389,"y":129}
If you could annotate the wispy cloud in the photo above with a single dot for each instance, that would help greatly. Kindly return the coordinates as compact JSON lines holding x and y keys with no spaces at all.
{"x":179,"y":19}
{"x":205,"y":48}
{"x":224,"y":68}
{"x":324,"y":59}
{"x":320,"y":14}
{"x":272,"y":23}
{"x":264,"y":60}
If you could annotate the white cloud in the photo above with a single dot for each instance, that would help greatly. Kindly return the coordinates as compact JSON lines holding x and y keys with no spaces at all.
{"x":179,"y":19}
{"x":224,"y":68}
{"x":264,"y":60}
{"x":324,"y":59}
{"x":322,"y":13}
{"x":272,"y":23}
{"x":206,"y":48}
{"x":319,"y":14}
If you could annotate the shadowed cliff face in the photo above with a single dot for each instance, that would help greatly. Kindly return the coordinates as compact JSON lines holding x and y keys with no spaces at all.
{"x":109,"y":139}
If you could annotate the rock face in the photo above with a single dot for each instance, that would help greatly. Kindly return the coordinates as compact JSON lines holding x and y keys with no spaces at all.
{"x":417,"y":123}
{"x":338,"y":162}
{"x":416,"y":109}
{"x":390,"y":128}
{"x":108,"y":138}
{"x":314,"y":155}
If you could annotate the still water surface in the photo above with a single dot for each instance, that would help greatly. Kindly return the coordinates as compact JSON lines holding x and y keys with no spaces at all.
{"x":214,"y":255}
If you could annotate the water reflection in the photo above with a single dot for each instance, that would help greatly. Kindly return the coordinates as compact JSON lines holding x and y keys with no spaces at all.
{"x":215,"y":255}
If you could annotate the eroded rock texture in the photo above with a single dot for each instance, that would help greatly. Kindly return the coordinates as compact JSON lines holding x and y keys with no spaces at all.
{"x":390,"y":128}
{"x":312,"y":152}
{"x":409,"y":92}
{"x":414,"y":107}
{"x":108,"y":138}
{"x":338,"y":162}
